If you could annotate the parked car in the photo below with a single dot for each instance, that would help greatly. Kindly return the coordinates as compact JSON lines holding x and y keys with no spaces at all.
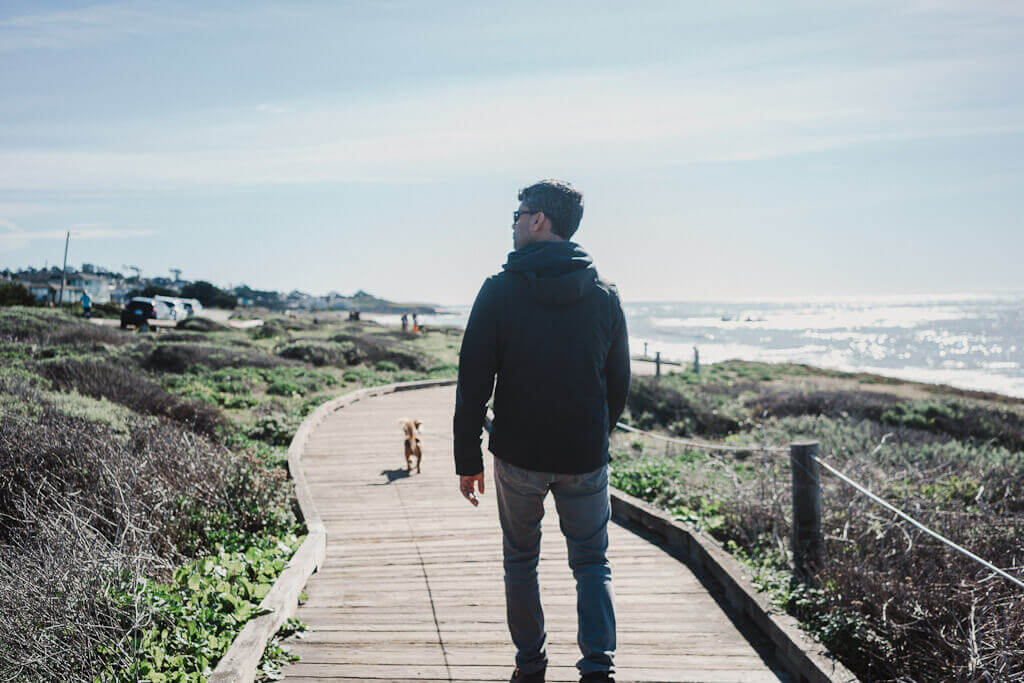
{"x":193,"y":306}
{"x":175,"y":305}
{"x":142,"y":309}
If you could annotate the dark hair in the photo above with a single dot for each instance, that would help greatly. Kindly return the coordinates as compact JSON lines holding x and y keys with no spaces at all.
{"x":561,"y":203}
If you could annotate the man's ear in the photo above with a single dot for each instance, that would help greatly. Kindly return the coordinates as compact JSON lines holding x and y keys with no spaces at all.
{"x":540,"y":219}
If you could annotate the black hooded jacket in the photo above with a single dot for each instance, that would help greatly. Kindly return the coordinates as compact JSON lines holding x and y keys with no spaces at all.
{"x":555,"y":336}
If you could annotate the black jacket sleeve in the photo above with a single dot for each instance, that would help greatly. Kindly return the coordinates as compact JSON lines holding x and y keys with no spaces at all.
{"x":617,"y":367}
{"x":478,"y":363}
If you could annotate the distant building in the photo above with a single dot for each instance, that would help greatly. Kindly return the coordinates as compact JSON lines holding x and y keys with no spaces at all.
{"x":40,"y":291}
{"x":119,"y":295}
{"x":49,"y":292}
{"x":165,"y":283}
{"x":99,"y":287}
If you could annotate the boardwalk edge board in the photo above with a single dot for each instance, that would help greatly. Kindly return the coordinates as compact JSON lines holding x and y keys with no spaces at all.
{"x":805,"y":658}
{"x":239,"y":663}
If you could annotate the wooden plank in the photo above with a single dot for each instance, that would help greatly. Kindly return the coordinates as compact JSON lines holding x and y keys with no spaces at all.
{"x":412,"y":572}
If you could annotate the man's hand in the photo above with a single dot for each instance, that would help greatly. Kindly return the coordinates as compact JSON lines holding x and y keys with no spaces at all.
{"x":466,"y":486}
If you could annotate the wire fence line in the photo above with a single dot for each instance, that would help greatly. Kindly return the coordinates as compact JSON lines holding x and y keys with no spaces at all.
{"x":703,"y":444}
{"x":863,"y":490}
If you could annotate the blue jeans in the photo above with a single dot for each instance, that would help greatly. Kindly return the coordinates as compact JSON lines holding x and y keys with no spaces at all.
{"x":583,"y":514}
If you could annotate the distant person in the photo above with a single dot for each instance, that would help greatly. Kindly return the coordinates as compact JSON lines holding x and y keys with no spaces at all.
{"x":405,"y":322}
{"x":554,"y":335}
{"x":86,"y":304}
{"x":415,"y":323}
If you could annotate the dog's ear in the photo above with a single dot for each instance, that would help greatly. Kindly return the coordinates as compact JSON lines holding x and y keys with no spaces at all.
{"x":418,"y":424}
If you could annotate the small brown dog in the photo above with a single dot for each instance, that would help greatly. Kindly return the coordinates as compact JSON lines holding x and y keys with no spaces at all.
{"x":412,"y":442}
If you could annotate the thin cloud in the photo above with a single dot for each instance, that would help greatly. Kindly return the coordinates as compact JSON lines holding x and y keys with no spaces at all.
{"x":90,"y":25}
{"x":600,"y":119}
{"x":15,"y":238}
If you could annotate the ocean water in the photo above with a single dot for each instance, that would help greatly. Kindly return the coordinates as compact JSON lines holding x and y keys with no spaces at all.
{"x":971,"y":342}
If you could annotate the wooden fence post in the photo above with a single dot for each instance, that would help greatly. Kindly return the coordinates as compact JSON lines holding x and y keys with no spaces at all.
{"x":807,"y":542}
{"x":657,"y":364}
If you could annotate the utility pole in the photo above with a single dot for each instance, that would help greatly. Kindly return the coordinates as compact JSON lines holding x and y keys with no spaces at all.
{"x":64,"y":272}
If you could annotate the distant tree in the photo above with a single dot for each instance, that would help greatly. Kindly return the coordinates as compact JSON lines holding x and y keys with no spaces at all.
{"x":208,"y":295}
{"x":152,"y":291}
{"x":14,"y":294}
{"x":260,"y":297}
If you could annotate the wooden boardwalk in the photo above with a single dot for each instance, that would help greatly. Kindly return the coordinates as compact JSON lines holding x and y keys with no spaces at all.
{"x":412,"y":585}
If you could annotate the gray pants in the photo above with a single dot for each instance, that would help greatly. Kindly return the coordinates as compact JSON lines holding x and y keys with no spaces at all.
{"x":583,"y":514}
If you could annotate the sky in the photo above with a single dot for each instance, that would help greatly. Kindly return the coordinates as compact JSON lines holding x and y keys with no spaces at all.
{"x":728,"y":150}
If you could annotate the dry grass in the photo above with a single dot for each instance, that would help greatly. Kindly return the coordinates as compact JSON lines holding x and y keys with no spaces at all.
{"x":891,"y":601}
{"x":130,"y":387}
{"x":180,"y":357}
{"x":46,"y":327}
{"x":86,"y":512}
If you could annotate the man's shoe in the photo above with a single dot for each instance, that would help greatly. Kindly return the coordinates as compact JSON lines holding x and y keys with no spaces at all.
{"x":519,"y":677}
{"x":597,"y":676}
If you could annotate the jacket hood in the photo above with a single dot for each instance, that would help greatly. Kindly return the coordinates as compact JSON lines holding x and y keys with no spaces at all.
{"x":558,"y":273}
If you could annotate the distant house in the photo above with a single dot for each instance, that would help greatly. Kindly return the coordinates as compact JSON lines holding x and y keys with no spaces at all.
{"x":41,"y":291}
{"x":119,"y":295}
{"x":166,"y":283}
{"x":99,"y":287}
{"x":49,"y":292}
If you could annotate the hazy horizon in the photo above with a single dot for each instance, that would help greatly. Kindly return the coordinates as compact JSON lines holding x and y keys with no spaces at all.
{"x":729,"y":152}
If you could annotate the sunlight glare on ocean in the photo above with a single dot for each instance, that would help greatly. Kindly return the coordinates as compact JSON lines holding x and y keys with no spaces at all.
{"x":970,"y":342}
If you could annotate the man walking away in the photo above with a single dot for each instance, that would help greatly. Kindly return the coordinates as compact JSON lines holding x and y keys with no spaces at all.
{"x":554,"y":335}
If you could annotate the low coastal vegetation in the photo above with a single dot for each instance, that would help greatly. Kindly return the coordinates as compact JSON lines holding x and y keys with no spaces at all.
{"x":145,"y":506}
{"x":890,"y":601}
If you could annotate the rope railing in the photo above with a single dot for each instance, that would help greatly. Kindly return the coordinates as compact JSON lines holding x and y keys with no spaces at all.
{"x":807,"y":505}
{"x":703,"y":444}
{"x":934,"y":534}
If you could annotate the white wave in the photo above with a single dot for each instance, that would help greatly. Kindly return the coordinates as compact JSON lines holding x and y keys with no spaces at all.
{"x":829,"y":318}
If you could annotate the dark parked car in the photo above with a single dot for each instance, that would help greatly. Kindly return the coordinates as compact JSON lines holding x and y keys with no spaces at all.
{"x":140,"y":310}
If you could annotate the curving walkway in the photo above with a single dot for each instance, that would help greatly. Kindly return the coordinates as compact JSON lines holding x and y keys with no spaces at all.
{"x":412,"y":589}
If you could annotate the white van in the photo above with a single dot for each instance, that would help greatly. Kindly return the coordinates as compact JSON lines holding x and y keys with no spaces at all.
{"x":176,"y":304}
{"x":193,"y":306}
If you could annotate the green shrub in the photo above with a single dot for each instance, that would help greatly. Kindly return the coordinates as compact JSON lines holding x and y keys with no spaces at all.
{"x":376,"y":348}
{"x":268,"y":330}
{"x":364,"y":376}
{"x":201,"y":325}
{"x":386,"y":366}
{"x":284,"y":388}
{"x":48,"y":327}
{"x":920,"y":415}
{"x":199,"y":612}
{"x":15,"y":294}
{"x":667,"y":406}
{"x":130,"y":388}
{"x":183,"y":357}
{"x":443,"y":371}
{"x":320,"y":353}
{"x":275,"y":429}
